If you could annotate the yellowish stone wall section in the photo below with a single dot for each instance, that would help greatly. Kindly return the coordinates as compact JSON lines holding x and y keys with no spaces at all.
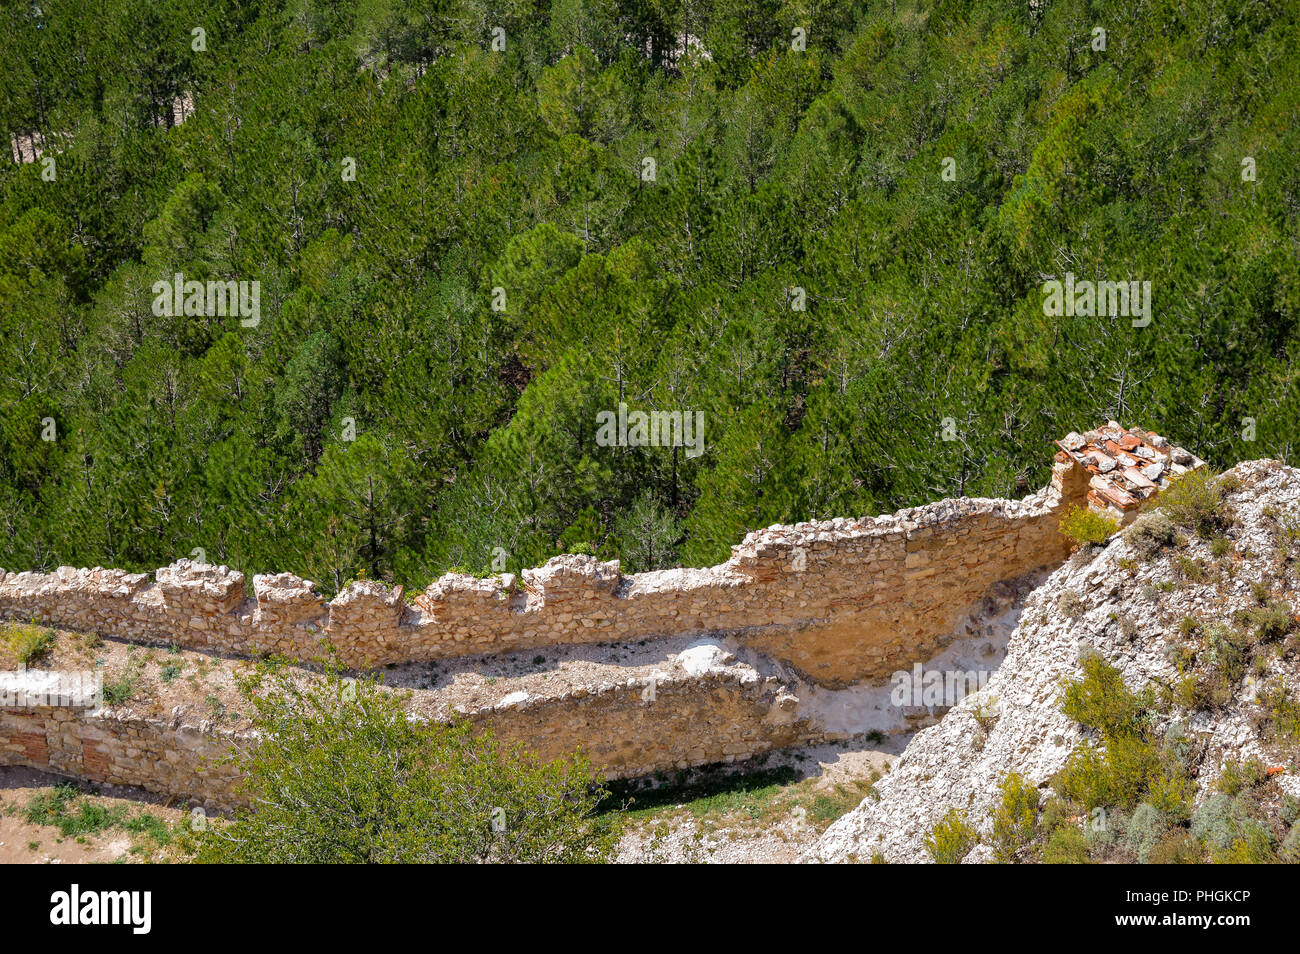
{"x":837,"y":599}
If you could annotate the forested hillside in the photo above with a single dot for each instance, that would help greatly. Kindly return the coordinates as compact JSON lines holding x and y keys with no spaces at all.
{"x":918,"y":169}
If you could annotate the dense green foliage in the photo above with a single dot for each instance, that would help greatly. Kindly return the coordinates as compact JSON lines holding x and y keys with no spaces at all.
{"x":775,"y":169}
{"x":343,"y":774}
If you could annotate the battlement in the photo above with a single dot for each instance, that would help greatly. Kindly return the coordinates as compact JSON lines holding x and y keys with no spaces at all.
{"x":838,"y":599}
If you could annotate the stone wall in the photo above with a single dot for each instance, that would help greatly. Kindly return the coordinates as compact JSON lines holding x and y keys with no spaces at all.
{"x":839,"y":600}
{"x":717,"y":716}
{"x":122,"y":749}
{"x":721,"y":715}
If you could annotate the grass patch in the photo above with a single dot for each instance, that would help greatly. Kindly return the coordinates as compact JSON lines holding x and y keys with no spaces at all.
{"x":123,"y":689}
{"x":827,"y":807}
{"x":77,"y":816}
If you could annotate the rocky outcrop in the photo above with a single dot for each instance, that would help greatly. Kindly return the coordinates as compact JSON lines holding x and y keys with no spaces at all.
{"x":1126,"y":607}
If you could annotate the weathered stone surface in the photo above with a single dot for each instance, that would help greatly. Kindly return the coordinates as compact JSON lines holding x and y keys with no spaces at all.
{"x":1016,"y":724}
{"x":816,"y":595}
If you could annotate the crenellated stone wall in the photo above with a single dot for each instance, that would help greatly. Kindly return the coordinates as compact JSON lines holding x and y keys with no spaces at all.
{"x":839,"y":600}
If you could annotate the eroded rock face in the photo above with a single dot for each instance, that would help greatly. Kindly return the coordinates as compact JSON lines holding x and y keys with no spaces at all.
{"x":1127,"y":617}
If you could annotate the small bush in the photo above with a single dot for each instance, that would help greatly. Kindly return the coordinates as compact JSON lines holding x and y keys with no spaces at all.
{"x":1289,"y":853}
{"x":1014,"y":818}
{"x":1191,"y":570}
{"x":1283,"y":714}
{"x":30,"y":643}
{"x":1177,"y":848}
{"x":1254,"y":846}
{"x":1070,"y":604}
{"x":1221,"y":822}
{"x":342,"y":774}
{"x":1144,"y":831}
{"x":1101,"y":701}
{"x":1197,"y":501}
{"x":1066,"y":846}
{"x":1271,"y":622}
{"x":1290,"y":809}
{"x":1239,"y":776}
{"x":951,"y":839}
{"x":1129,"y":768}
{"x":1150,"y":533}
{"x":1104,"y":828}
{"x":123,"y":689}
{"x":1086,"y":528}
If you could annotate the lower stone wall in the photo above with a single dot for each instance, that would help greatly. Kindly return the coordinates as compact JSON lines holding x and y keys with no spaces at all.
{"x":689,"y":721}
{"x":624,"y":729}
{"x":837,"y":599}
{"x":121,"y":749}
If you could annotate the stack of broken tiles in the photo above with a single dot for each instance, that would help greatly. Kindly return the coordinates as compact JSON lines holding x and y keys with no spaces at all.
{"x":1125,"y":467}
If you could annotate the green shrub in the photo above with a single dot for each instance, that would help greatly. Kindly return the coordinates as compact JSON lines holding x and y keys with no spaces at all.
{"x":1101,"y":701}
{"x":1290,"y":809}
{"x":1177,"y":848}
{"x":1171,"y":790}
{"x":1283,"y":713}
{"x":1289,"y":853}
{"x":951,"y":839}
{"x":1086,"y":528}
{"x":1239,"y":776}
{"x":122,"y":690}
{"x":1128,"y":768}
{"x":1221,"y":821}
{"x":1066,"y":846}
{"x":1144,"y":831}
{"x":1014,"y":818}
{"x":1225,"y":648}
{"x":1104,"y":828}
{"x":30,"y":643}
{"x":1253,"y":846}
{"x":343,"y":775}
{"x":1150,"y":533}
{"x":1194,"y":571}
{"x":1197,"y":501}
{"x":1271,"y":622}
